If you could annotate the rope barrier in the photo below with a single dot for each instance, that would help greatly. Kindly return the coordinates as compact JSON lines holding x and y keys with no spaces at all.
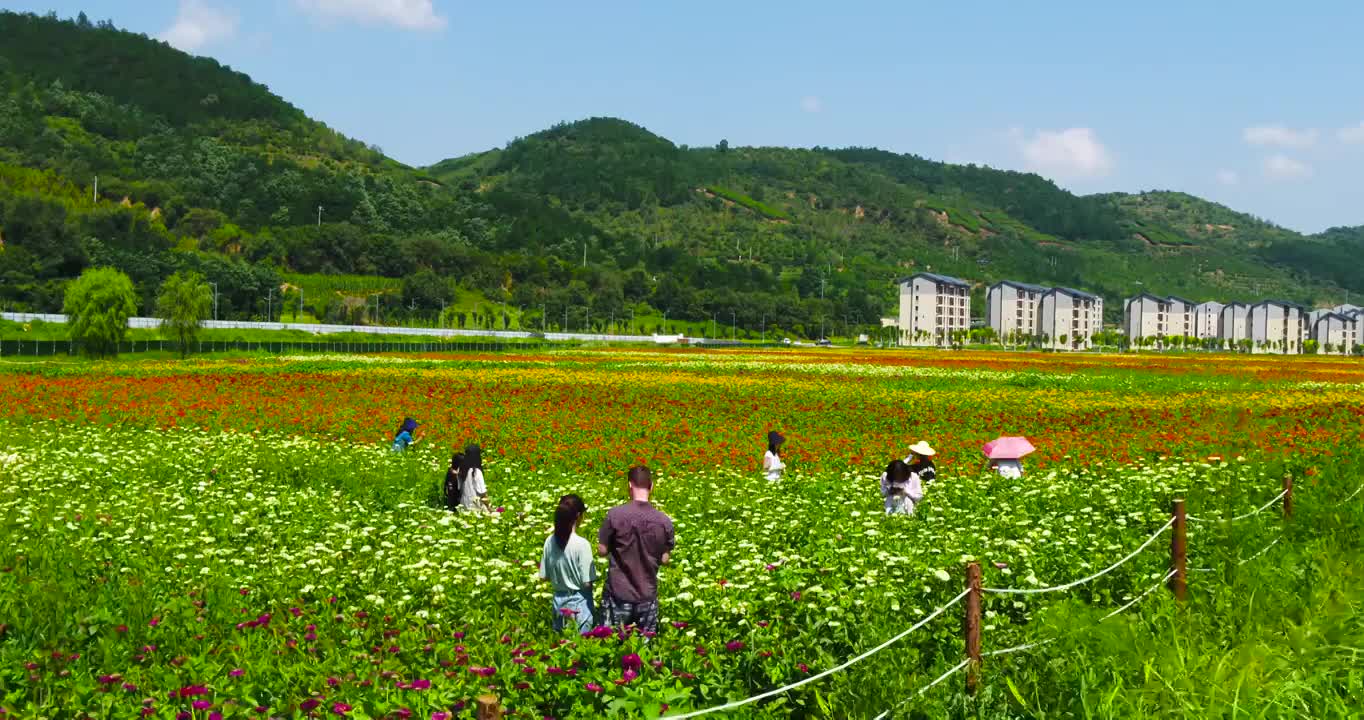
{"x":955,"y":669}
{"x":826,"y":673}
{"x":1262,"y":551}
{"x":1140,"y":597}
{"x":1353,"y":494}
{"x":1082,"y":581}
{"x":1250,"y":514}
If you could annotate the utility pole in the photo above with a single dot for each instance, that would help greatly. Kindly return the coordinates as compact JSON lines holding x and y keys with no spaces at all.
{"x":299,"y":317}
{"x":733,"y":326}
{"x":94,"y":197}
{"x":319,"y":217}
{"x":215,"y":300}
{"x":584,"y":253}
{"x":269,"y":305}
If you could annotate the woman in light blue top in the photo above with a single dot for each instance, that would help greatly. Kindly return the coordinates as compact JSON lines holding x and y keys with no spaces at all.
{"x":405,"y":435}
{"x":567,"y":565}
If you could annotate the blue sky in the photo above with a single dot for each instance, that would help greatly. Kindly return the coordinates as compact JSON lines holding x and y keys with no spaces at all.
{"x":1257,"y":105}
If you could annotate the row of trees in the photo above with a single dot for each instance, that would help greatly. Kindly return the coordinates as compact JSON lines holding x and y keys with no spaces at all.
{"x":99,"y":303}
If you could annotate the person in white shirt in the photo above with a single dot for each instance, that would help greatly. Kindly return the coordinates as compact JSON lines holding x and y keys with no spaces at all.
{"x":896,"y":484}
{"x":472,"y":490}
{"x":772,"y":464}
{"x":1007,"y":468}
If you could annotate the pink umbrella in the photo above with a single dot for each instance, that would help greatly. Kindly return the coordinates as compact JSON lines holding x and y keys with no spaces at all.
{"x":1007,"y":448}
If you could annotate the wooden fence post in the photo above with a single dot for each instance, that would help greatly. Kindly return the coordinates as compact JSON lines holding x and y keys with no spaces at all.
{"x":1178,"y":553}
{"x":488,"y":707}
{"x":1288,"y":496}
{"x":972,"y":627}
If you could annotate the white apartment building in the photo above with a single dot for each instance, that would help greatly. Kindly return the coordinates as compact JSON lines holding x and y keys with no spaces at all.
{"x":1208,"y":320}
{"x":1277,"y":327}
{"x":932,"y":308}
{"x":1181,"y":319}
{"x":1232,"y":324}
{"x":1011,"y":310}
{"x":1346,"y":309}
{"x":1145,"y":316}
{"x":1070,"y":318}
{"x":1336,"y":334}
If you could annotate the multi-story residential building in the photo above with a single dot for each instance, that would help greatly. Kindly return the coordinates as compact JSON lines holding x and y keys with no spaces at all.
{"x":1346,"y":309}
{"x":1011,"y":310}
{"x":1208,"y":320}
{"x":1181,"y":320}
{"x":1232,"y":325}
{"x":932,"y":308}
{"x":1335,"y":334}
{"x":1144,"y":316}
{"x":1070,"y":318}
{"x":1276,"y":326}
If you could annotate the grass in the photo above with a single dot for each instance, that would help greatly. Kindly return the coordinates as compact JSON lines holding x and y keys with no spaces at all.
{"x":748,"y":202}
{"x":1281,"y":636}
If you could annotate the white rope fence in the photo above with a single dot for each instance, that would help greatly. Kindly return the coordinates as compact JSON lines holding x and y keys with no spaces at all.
{"x":824,"y":674}
{"x":1083,"y":580}
{"x":1006,"y":591}
{"x":1246,"y":516}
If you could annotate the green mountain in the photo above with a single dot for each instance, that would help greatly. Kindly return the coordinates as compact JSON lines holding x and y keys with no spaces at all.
{"x":199,"y":167}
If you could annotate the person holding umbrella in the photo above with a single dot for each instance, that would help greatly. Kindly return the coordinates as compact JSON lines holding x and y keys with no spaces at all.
{"x":772,"y":464}
{"x":1004,"y":454}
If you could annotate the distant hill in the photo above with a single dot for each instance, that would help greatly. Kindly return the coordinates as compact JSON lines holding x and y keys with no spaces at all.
{"x":200,"y":167}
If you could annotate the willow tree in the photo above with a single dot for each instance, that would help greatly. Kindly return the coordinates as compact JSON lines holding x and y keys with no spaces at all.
{"x":98,"y":305}
{"x":184,"y":304}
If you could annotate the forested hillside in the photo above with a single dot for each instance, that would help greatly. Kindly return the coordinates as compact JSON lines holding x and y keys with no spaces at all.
{"x":199,"y":167}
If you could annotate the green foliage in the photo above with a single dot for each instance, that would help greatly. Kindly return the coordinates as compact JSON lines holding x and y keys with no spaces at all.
{"x":748,"y":202}
{"x":185,"y":302}
{"x":98,"y":305}
{"x":200,"y":169}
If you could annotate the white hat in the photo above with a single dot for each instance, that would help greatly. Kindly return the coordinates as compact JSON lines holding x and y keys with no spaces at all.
{"x":922,"y":448}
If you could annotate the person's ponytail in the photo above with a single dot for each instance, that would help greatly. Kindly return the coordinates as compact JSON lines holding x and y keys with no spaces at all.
{"x":571,"y":507}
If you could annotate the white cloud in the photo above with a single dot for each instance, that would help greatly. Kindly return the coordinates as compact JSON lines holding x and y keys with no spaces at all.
{"x":406,"y":14}
{"x":198,"y":24}
{"x":1352,"y":135}
{"x":1070,"y":153}
{"x":1282,"y":167}
{"x":1280,"y":136}
{"x":1228,"y":177}
{"x":811,"y":104}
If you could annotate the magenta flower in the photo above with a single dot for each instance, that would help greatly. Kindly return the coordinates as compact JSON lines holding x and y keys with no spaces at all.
{"x":402,"y":713}
{"x":700,"y":651}
{"x":795,"y":595}
{"x":734,"y":646}
{"x":627,"y":676}
{"x":340,"y":708}
{"x":484,"y":672}
{"x":215,"y":715}
{"x":631,"y":662}
{"x":121,"y":628}
{"x":600,"y":632}
{"x":763,"y":623}
{"x":192,"y":691}
{"x":261,"y":709}
{"x":109,"y":679}
{"x":458,"y":635}
{"x":593,"y":687}
{"x":804,"y":668}
{"x":148,"y":712}
{"x":182,"y":715}
{"x":237,"y":672}
{"x":440,"y":716}
{"x":679,"y":625}
{"x":129,"y":687}
{"x":201,"y":704}
{"x":309,"y":705}
{"x":154,"y":622}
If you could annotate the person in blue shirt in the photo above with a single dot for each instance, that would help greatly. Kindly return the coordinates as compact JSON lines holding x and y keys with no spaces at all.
{"x":405,"y":435}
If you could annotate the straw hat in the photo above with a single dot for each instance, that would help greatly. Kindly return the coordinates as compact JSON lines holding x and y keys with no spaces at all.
{"x":922,"y":448}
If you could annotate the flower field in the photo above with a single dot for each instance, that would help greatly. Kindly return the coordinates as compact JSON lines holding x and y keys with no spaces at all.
{"x":233,"y":538}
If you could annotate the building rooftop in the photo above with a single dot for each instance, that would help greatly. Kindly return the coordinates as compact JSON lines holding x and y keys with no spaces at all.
{"x":940,"y":279}
{"x":1022,"y":286}
{"x":1076,"y":293}
{"x":1177,"y":299}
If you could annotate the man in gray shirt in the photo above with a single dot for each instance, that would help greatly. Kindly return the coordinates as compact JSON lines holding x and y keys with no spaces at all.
{"x":637,"y":539}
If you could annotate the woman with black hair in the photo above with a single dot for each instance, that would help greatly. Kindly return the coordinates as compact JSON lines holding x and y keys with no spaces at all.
{"x":406,"y":435}
{"x":452,"y":481}
{"x":566,"y":564}
{"x":772,"y":464}
{"x":895,"y":488}
{"x":472,"y":490}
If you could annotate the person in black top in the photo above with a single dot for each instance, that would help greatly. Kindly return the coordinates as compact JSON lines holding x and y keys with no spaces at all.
{"x":452,"y":482}
{"x":920,"y":462}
